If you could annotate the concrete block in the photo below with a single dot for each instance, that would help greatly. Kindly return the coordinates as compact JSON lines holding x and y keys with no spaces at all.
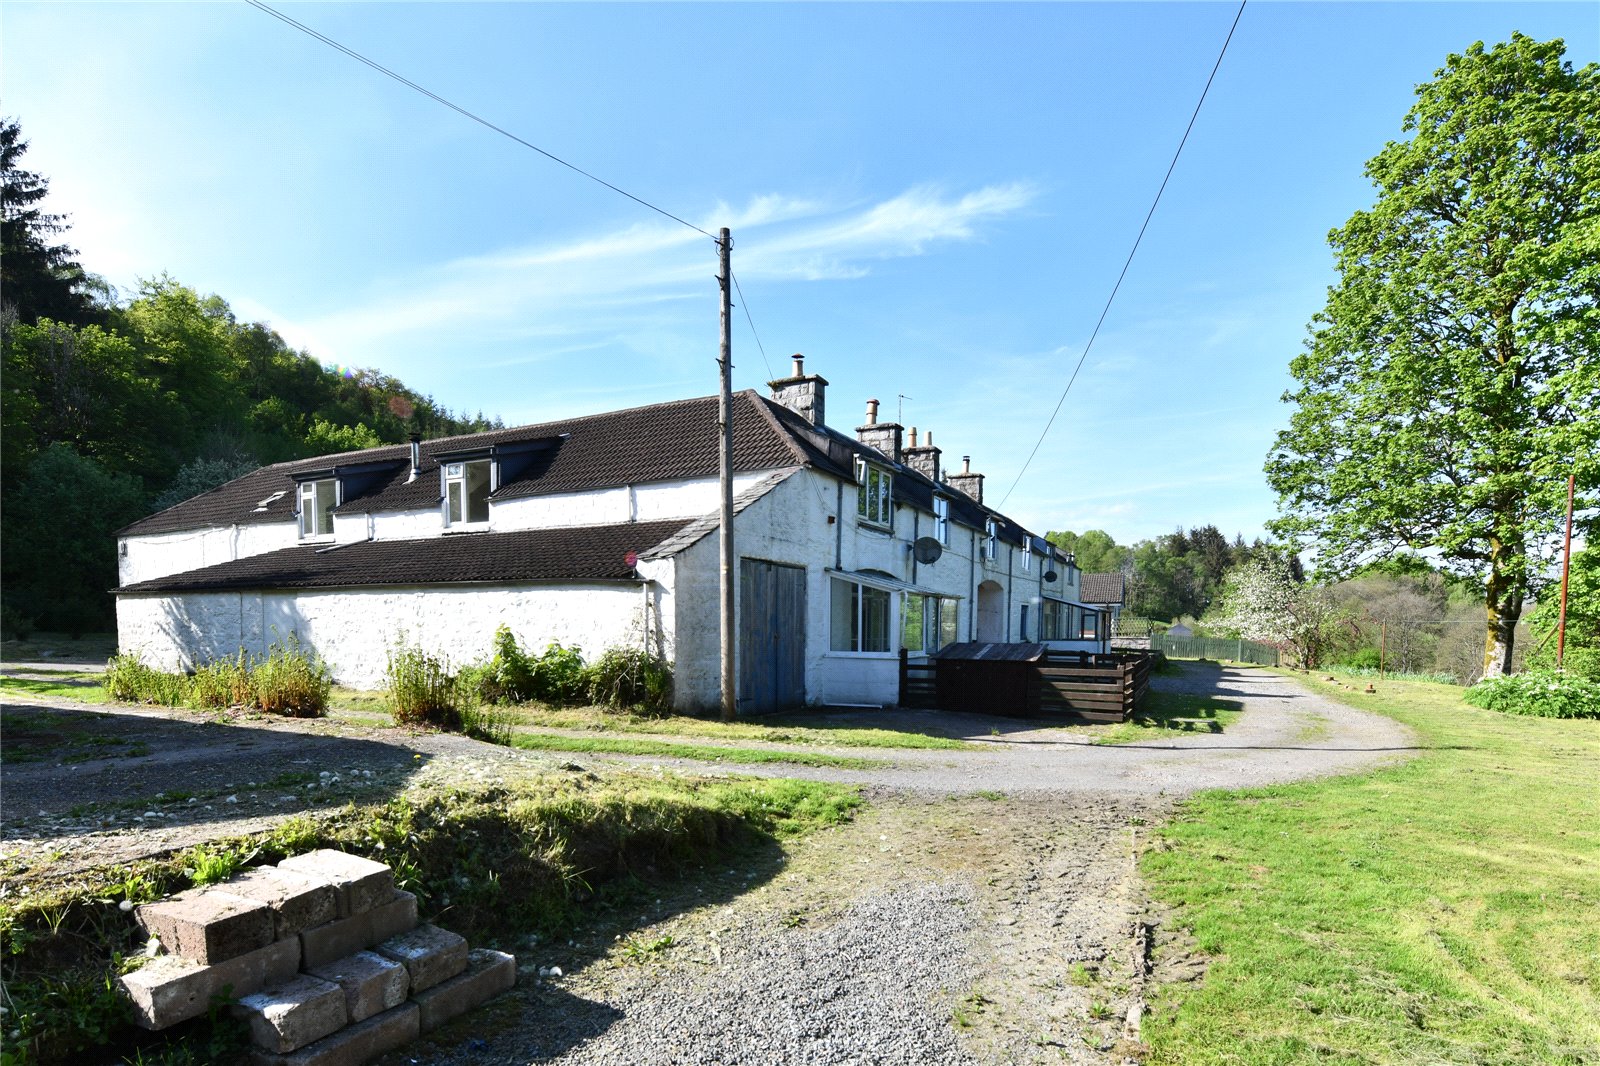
{"x":428,"y":953}
{"x":372,"y":984}
{"x":358,"y":884}
{"x":172,"y":989}
{"x":353,"y":1044}
{"x":297,"y":900}
{"x":488,"y":974}
{"x":208,"y":926}
{"x":289,"y":1016}
{"x":334,"y":940}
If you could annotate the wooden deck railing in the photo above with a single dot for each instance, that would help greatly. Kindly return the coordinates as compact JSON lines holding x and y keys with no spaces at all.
{"x":1084,"y":686}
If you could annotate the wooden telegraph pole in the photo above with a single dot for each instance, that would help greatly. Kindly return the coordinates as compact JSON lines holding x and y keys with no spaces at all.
{"x":730,"y":696}
{"x":1566,"y":571}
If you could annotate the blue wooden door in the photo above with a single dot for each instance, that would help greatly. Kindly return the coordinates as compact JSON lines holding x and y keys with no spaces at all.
{"x":772,"y":636}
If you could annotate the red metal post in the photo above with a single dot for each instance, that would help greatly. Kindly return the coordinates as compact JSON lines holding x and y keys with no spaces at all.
{"x":1566,"y":566}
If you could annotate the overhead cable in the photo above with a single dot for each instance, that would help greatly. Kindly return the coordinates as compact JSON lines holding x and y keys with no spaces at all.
{"x":1129,"y":262}
{"x":408,"y":83}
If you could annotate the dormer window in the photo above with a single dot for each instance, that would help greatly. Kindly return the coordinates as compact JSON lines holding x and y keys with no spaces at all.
{"x":466,"y":492}
{"x":873,"y":500}
{"x":941,"y":519}
{"x":317,"y":501}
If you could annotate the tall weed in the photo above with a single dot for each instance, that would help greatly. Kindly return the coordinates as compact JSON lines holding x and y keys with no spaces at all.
{"x":128,"y":678}
{"x":631,"y":679}
{"x":291,"y":680}
{"x":422,"y":691}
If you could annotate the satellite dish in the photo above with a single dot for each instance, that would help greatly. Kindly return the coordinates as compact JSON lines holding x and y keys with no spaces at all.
{"x":927,"y":550}
{"x":1050,"y":575}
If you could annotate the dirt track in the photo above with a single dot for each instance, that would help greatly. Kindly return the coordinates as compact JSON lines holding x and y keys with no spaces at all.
{"x":981,"y":910}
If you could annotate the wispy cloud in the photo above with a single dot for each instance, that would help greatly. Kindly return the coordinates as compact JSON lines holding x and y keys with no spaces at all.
{"x":632,"y":280}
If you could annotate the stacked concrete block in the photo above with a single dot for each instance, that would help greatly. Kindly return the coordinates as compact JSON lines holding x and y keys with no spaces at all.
{"x":322,"y":956}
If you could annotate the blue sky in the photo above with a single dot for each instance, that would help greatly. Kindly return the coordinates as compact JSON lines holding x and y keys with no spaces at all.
{"x":927,"y":200}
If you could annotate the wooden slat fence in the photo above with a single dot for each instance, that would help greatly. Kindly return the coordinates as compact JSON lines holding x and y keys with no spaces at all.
{"x":1081,"y":686}
{"x":918,"y":684}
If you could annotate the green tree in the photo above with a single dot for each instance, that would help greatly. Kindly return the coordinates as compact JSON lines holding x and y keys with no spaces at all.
{"x":1096,"y":551}
{"x":1453,"y":378}
{"x":59,"y":555}
{"x":39,"y":278}
{"x":1583,"y":618}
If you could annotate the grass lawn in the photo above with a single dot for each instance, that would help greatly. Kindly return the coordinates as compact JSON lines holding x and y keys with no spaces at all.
{"x":58,"y":684}
{"x":1443,"y":911}
{"x":798,"y":729}
{"x":669,"y":750}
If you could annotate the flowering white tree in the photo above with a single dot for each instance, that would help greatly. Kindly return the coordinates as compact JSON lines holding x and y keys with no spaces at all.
{"x":1263,"y":602}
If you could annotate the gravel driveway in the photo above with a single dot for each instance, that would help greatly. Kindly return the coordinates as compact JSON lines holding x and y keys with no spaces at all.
{"x":985,"y":908}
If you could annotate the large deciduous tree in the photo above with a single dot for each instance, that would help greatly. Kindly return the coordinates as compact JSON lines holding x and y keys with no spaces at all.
{"x":1453,"y":379}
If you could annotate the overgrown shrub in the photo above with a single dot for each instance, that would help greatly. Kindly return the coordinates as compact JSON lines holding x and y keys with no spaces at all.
{"x":631,"y":679}
{"x":1363,"y":659}
{"x":223,"y":683}
{"x":422,"y":690}
{"x":508,"y":675}
{"x":290,"y":680}
{"x":1538,"y":692}
{"x":559,"y":675}
{"x":128,"y":678}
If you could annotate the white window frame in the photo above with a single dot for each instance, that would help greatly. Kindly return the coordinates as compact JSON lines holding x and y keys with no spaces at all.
{"x":856,"y":637}
{"x":308,"y":509}
{"x":931,"y":637}
{"x":991,"y":539}
{"x":1027,"y":554}
{"x":455,"y":476}
{"x":874,"y":495}
{"x":941,"y":519}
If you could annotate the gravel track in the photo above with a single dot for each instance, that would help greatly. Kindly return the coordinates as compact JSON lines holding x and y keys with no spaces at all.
{"x":981,"y":910}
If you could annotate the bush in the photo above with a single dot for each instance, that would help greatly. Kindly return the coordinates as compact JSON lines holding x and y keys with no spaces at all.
{"x":290,"y":680}
{"x":223,"y":683}
{"x":128,"y":678}
{"x":1538,"y":692}
{"x":1363,"y":659}
{"x":508,"y":675}
{"x":559,"y":675}
{"x":631,"y":679}
{"x":422,"y":691}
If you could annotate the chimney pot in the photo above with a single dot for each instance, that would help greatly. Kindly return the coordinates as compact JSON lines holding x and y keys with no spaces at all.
{"x":913,"y":436}
{"x":799,"y":365}
{"x":872,"y":412}
{"x":802,"y":393}
{"x":416,"y":455}
{"x":966,"y":464}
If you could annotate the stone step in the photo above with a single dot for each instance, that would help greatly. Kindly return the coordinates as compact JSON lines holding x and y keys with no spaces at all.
{"x":334,"y":940}
{"x":371,"y":983}
{"x":297,"y":900}
{"x":488,"y":974}
{"x":429,"y":954}
{"x":173,"y":989}
{"x":354,"y":1044}
{"x":207,"y":925}
{"x":358,"y":884}
{"x":289,"y":1016}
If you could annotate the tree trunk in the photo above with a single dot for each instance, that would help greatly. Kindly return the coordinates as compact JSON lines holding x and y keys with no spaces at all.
{"x":1503,"y":607}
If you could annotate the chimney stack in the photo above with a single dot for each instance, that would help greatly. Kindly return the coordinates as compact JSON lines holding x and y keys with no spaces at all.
{"x":924,"y":459}
{"x":884,"y":436}
{"x":802,"y":393}
{"x":967,"y":481}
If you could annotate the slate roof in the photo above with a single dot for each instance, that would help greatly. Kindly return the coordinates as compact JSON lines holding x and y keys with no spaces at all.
{"x":579,"y":553}
{"x":638,"y":446}
{"x":641,"y":445}
{"x":1102,"y":588}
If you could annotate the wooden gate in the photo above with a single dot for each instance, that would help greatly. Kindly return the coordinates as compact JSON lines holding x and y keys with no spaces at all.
{"x":772,"y":636}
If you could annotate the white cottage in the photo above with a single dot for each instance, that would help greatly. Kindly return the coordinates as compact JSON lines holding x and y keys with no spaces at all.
{"x":599,"y":532}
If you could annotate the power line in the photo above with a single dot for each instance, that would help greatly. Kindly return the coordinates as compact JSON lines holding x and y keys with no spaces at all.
{"x":408,"y":83}
{"x":1129,"y":262}
{"x":745,"y":305}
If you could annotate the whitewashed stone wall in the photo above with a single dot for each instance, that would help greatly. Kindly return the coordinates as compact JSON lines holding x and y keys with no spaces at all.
{"x":353,"y":629}
{"x":148,"y":557}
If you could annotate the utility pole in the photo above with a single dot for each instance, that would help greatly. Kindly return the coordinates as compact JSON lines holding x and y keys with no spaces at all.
{"x":730,"y":695}
{"x":1566,"y":569}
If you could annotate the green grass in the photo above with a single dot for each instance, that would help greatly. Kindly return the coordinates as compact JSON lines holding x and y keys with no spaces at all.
{"x":1158,"y":718}
{"x":814,"y":729}
{"x":701,"y":752}
{"x":61,"y":684}
{"x":1441,"y":911}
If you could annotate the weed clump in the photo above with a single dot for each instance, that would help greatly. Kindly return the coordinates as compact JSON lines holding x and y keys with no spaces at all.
{"x":632,"y":679}
{"x":1545,"y":693}
{"x":288,"y":680}
{"x":422,"y":690}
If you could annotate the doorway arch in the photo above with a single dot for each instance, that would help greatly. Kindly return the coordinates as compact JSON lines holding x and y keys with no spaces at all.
{"x":991,"y":613}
